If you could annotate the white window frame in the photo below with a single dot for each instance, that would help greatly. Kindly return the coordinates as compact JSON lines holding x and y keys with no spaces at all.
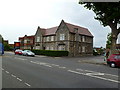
{"x":47,"y":38}
{"x":83,"y":38}
{"x":61,"y":47}
{"x":47,"y":48}
{"x":38,"y":39}
{"x":52,"y":38}
{"x":79,"y":49}
{"x":62,"y":36}
{"x":25,"y":41}
{"x":83,"y":48}
{"x":51,"y":48}
{"x":80,"y":38}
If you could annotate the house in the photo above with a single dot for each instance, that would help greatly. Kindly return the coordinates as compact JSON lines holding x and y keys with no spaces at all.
{"x":75,"y":39}
{"x":26,"y":42}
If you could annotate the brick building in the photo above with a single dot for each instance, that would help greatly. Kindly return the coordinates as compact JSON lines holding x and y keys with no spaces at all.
{"x":26,"y":42}
{"x":75,"y":39}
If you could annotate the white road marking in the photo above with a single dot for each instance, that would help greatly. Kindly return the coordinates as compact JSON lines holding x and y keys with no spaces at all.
{"x":47,"y":65}
{"x":7,"y":72}
{"x":27,"y":84}
{"x":19,"y":79}
{"x":55,"y":65}
{"x":40,"y":56}
{"x":62,"y":67}
{"x":20,"y":58}
{"x":94,"y":76}
{"x":96,"y":72}
{"x":75,"y":72}
{"x":13,"y":75}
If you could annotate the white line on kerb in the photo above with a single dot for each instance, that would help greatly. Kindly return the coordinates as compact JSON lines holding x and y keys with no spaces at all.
{"x":27,"y":84}
{"x":94,"y":76}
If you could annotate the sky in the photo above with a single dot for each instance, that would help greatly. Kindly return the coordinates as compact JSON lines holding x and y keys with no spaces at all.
{"x":22,"y":17}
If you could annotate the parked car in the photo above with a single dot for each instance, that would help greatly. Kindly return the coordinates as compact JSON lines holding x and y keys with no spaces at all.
{"x":28,"y":53}
{"x":114,"y":60}
{"x":18,"y":51}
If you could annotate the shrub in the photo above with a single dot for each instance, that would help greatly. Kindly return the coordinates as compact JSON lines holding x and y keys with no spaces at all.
{"x":51,"y":53}
{"x":95,"y":53}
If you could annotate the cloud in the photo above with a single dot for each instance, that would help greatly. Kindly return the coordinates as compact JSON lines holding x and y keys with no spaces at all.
{"x":20,"y":17}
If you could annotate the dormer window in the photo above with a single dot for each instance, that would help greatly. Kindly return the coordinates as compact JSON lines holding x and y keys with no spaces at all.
{"x":75,"y":30}
{"x":83,"y":38}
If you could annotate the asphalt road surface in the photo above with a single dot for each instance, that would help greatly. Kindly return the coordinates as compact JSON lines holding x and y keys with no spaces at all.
{"x":55,"y":72}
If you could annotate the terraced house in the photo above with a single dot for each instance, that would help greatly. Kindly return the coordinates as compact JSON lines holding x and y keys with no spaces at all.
{"x":26,"y":42}
{"x":75,"y":39}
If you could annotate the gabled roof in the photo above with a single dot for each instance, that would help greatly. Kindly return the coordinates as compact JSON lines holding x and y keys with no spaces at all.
{"x":71,"y":27}
{"x":31,"y":36}
{"x":81,"y":30}
{"x":51,"y":31}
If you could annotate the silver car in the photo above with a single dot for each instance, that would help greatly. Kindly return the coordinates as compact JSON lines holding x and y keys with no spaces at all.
{"x":28,"y":53}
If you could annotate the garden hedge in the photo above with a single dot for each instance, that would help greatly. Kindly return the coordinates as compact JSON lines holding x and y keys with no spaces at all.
{"x":51,"y":53}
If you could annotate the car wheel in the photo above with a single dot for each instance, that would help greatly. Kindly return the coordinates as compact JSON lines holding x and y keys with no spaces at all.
{"x":112,"y":64}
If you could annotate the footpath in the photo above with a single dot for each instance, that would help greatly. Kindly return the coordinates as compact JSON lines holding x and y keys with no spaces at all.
{"x":93,"y":60}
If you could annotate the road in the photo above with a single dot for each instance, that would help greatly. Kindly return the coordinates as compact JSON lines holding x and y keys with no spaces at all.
{"x":55,"y":72}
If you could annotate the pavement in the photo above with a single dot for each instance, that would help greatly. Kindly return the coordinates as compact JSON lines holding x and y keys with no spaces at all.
{"x":94,"y":60}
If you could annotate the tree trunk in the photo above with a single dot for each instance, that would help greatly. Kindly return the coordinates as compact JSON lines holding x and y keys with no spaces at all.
{"x":114,"y":39}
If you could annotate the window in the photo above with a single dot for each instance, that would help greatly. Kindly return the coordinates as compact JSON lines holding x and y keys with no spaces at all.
{"x":47,"y":38}
{"x":51,"y":48}
{"x":38,"y":39}
{"x":79,"y":49}
{"x":61,"y":47}
{"x":47,"y":48}
{"x":28,"y":41}
{"x":83,"y":38}
{"x":83,"y":48}
{"x":79,"y":38}
{"x":52,"y":38}
{"x":117,"y":57}
{"x":25,"y":41}
{"x":62,"y":37}
{"x":44,"y":39}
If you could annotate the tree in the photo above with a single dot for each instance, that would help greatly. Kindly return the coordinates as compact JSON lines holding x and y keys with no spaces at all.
{"x":7,"y":47}
{"x":109,"y":40}
{"x":109,"y":15}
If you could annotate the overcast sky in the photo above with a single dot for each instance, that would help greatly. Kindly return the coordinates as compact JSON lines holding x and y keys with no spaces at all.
{"x":20,"y":17}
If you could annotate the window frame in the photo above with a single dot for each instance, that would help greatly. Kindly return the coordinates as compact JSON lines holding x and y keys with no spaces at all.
{"x":62,"y":36}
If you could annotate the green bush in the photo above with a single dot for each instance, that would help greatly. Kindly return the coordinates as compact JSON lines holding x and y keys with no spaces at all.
{"x":51,"y":53}
{"x":95,"y":53}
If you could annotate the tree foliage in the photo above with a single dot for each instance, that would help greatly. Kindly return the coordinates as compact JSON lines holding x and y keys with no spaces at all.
{"x":109,"y":41}
{"x":108,"y":13}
